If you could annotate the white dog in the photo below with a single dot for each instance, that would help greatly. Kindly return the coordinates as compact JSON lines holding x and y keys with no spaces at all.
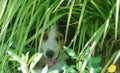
{"x":51,"y":47}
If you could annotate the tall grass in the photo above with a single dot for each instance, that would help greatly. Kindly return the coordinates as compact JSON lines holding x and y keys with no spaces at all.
{"x":96,"y":24}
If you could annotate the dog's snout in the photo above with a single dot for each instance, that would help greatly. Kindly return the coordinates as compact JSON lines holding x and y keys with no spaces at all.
{"x":50,"y":54}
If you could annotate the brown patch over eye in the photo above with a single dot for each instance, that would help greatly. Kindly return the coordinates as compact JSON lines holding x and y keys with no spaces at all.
{"x":60,"y":38}
{"x":45,"y":37}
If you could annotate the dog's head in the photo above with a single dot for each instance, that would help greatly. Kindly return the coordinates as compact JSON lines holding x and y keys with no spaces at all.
{"x":52,"y":42}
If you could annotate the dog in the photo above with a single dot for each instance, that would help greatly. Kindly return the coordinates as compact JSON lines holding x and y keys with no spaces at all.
{"x":52,"y":49}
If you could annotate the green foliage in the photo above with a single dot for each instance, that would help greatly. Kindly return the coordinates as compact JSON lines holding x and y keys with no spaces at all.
{"x":96,"y":38}
{"x":93,"y":62}
{"x":70,"y":52}
{"x":26,"y":64}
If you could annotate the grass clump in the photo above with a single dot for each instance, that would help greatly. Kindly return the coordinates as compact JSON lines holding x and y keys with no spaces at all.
{"x":94,"y":42}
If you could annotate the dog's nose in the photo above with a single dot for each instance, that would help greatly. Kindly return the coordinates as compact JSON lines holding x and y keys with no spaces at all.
{"x":50,"y":53}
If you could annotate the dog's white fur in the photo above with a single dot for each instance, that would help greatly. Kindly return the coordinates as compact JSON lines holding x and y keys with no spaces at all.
{"x":52,"y":44}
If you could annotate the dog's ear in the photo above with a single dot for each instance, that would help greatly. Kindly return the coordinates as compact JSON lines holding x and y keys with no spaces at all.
{"x":70,"y":34}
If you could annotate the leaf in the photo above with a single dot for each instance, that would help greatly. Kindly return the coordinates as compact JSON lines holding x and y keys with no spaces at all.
{"x":71,"y":69}
{"x":22,"y":60}
{"x":45,"y":69}
{"x":97,"y":59}
{"x":98,"y":69}
{"x":79,"y":65}
{"x":54,"y":71}
{"x":34,"y":59}
{"x":70,"y":52}
{"x":14,"y":56}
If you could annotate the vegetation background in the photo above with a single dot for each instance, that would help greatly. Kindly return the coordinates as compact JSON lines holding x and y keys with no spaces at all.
{"x":95,"y":45}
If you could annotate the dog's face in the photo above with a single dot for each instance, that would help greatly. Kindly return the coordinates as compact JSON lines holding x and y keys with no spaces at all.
{"x":53,"y":41}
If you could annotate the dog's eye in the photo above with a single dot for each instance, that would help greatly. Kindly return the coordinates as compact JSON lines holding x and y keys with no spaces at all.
{"x":45,"y":37}
{"x":59,"y":38}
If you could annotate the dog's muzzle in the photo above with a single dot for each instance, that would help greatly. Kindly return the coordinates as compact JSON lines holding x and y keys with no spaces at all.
{"x":49,"y":60}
